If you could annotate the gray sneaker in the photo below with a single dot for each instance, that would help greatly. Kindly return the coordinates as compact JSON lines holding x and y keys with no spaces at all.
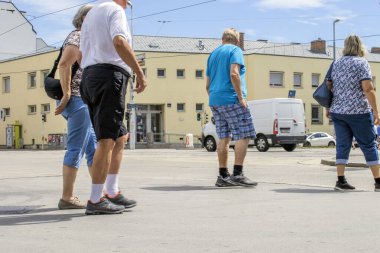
{"x":224,"y":182}
{"x":119,"y":199}
{"x":242,"y":180}
{"x":104,"y":206}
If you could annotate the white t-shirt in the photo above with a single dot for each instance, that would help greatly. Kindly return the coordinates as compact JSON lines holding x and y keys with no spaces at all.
{"x":102,"y":24}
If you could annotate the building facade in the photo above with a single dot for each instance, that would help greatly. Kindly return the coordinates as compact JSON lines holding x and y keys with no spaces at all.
{"x":175,"y":101}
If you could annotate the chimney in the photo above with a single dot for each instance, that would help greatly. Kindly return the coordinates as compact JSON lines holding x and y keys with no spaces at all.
{"x":241,"y":41}
{"x":318,"y":46}
{"x":375,"y":50}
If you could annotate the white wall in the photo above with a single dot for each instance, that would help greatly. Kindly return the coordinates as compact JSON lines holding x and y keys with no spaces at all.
{"x":21,"y":40}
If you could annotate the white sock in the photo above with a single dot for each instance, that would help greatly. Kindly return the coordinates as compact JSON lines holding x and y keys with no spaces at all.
{"x":96,"y":192}
{"x":112,"y":185}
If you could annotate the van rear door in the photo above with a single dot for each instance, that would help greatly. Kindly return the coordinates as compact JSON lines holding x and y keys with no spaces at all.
{"x":290,"y":115}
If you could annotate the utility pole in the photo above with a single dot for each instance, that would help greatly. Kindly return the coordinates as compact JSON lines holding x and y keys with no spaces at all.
{"x":334,"y":49}
{"x":132,"y":115}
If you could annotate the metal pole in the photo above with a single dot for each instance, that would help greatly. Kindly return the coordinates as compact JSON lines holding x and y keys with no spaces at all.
{"x":132,"y":115}
{"x":334,"y":49}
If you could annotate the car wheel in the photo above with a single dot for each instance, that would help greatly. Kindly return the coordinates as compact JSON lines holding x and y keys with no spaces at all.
{"x":261,"y":143}
{"x":289,"y":147}
{"x":210,"y":144}
{"x":307,"y":144}
{"x":331,"y":144}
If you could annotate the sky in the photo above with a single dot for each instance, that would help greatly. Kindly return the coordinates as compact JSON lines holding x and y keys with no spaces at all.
{"x":281,"y":21}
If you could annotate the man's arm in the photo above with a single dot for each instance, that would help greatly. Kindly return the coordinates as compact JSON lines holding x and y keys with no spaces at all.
{"x":208,"y":85}
{"x":236,"y":83}
{"x":369,"y":92}
{"x":126,"y":54}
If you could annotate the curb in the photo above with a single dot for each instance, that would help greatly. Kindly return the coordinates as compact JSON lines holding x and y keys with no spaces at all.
{"x":355,"y":165}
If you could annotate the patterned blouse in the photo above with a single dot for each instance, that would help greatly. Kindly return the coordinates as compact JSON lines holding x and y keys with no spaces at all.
{"x":348,"y":95}
{"x":74,"y":39}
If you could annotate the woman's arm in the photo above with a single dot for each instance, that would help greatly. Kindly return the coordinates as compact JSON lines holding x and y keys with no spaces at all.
{"x":369,"y":92}
{"x":70,"y":55}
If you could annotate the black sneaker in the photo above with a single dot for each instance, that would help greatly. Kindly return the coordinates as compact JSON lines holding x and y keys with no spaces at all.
{"x":104,"y":206}
{"x":243,"y":181}
{"x":119,"y":199}
{"x":343,"y":186}
{"x":224,"y":182}
{"x":377,"y":187}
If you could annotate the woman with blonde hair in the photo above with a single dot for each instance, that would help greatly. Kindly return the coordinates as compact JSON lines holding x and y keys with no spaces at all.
{"x":80,"y":133}
{"x":354,"y":110}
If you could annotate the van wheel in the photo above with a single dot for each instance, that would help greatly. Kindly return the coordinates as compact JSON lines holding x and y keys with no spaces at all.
{"x":307,"y":144}
{"x":210,"y":144}
{"x":261,"y":143}
{"x":331,"y":144}
{"x":289,"y":147}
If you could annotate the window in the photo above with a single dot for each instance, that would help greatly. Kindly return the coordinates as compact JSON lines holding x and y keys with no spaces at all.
{"x":180,"y":107}
{"x":44,"y":74}
{"x":161,"y":73}
{"x":315,"y":80}
{"x":297,"y":80}
{"x":7,"y":112}
{"x":32,"y":80}
{"x":199,"y":107}
{"x":199,"y":73}
{"x":6,"y":84}
{"x":180,"y":73}
{"x":316,"y":114}
{"x":144,"y":71}
{"x":32,"y":109}
{"x":45,"y":108}
{"x":276,"y":79}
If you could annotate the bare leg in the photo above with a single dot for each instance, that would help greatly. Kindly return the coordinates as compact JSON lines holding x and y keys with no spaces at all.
{"x":223,"y":147}
{"x":375,"y":171}
{"x":117,"y":155}
{"x":102,"y":160}
{"x":340,"y":169}
{"x":241,"y":147}
{"x":69,"y":175}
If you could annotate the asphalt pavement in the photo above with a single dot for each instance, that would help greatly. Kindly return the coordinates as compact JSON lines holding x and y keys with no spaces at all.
{"x":293,"y":209}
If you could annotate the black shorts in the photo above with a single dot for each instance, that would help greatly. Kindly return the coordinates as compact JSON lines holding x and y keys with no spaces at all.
{"x":103,"y":89}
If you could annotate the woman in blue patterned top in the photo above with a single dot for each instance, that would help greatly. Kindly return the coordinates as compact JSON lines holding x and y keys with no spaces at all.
{"x":353,"y":110}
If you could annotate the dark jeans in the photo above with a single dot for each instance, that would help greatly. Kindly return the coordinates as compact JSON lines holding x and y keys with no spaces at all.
{"x":359,"y":126}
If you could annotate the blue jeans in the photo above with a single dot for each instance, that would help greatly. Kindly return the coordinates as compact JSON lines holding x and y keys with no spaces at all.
{"x":359,"y":126}
{"x":80,"y":133}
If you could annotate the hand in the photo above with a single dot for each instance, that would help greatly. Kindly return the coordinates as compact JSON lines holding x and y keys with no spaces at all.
{"x":243,"y":102}
{"x":376,"y":119}
{"x":65,"y":99}
{"x":327,"y":113}
{"x":140,"y":84}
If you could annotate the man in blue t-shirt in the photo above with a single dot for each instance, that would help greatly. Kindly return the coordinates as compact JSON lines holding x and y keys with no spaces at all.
{"x":227,"y":98}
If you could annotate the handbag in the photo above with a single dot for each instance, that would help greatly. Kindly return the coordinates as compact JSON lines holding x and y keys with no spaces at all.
{"x":323,"y":95}
{"x":53,"y":86}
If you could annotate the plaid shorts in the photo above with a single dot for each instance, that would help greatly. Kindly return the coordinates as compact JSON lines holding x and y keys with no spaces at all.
{"x":233,"y":119}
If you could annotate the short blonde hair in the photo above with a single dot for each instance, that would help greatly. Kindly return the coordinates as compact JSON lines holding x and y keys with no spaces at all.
{"x":78,"y":18}
{"x":353,"y":46}
{"x":231,"y":35}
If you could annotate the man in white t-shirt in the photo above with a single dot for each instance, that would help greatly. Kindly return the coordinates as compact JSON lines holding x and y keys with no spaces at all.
{"x":108,"y":61}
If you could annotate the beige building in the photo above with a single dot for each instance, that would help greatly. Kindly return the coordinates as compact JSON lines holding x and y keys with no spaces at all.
{"x":175,"y":70}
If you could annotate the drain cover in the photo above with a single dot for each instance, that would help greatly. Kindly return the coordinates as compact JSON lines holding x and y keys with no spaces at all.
{"x":17,"y":209}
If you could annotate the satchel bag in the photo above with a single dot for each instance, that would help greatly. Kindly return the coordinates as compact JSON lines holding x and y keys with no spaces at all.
{"x":53,"y":86}
{"x":323,"y":95}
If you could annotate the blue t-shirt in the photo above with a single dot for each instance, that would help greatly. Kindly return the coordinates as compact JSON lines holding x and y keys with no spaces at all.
{"x":218,"y":70}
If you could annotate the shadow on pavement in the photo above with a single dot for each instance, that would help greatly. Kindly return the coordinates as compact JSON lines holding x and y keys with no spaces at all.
{"x":35,"y":219}
{"x":187,"y":188}
{"x":305,"y":191}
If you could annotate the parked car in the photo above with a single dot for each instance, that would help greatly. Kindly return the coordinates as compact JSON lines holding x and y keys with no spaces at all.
{"x":319,"y":139}
{"x":277,"y":121}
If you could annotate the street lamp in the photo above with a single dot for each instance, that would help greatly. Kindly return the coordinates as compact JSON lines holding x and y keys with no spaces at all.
{"x":335,"y":21}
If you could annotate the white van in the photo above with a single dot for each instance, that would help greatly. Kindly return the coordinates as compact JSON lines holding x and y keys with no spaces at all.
{"x":277,"y":121}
